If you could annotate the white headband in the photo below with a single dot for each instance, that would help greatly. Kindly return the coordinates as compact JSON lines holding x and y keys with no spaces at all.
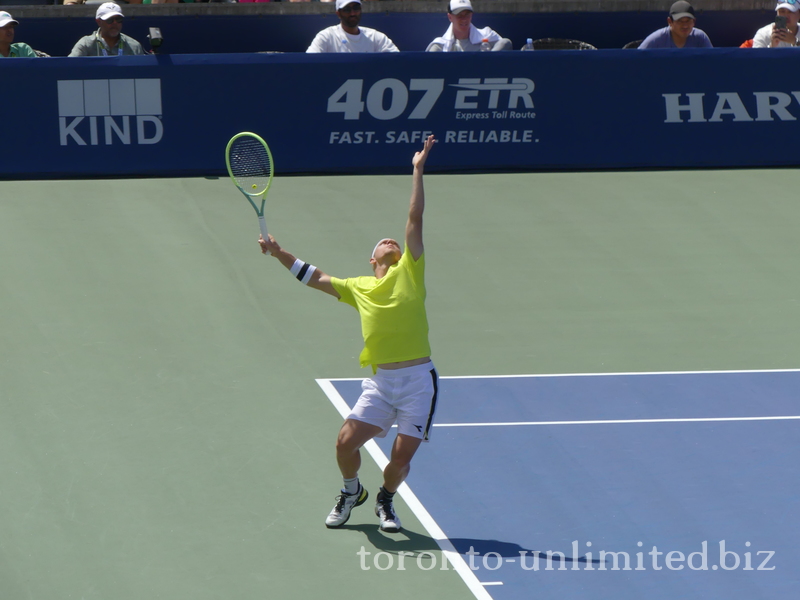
{"x":375,"y":249}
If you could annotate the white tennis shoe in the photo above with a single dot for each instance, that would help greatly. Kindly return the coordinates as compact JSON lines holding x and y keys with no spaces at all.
{"x":345,"y":503}
{"x":390,"y":522}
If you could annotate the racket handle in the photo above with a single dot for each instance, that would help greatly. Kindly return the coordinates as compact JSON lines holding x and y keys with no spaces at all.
{"x":263,"y":224}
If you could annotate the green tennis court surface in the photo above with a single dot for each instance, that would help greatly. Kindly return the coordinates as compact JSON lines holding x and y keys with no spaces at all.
{"x":161,"y":429}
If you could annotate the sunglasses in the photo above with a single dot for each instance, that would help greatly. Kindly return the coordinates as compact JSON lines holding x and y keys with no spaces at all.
{"x":114,"y":20}
{"x":792,"y":2}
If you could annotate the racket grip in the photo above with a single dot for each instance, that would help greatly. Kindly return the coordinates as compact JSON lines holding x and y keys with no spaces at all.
{"x":263,"y":224}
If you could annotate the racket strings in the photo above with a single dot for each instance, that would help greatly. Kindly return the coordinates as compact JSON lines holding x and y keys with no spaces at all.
{"x":250,"y":164}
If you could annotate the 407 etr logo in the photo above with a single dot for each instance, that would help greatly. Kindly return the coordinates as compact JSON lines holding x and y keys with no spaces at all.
{"x":390,"y":98}
{"x":490,"y":101}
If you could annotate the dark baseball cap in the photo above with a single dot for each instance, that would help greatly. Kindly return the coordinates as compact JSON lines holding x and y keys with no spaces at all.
{"x":681,"y":9}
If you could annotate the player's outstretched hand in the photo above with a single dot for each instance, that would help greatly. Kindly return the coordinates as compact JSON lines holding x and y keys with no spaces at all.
{"x":420,"y":157}
{"x":268,"y":245}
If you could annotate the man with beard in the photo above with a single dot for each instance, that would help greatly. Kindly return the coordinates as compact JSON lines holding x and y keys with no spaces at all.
{"x":347,"y":36}
{"x":108,"y":39}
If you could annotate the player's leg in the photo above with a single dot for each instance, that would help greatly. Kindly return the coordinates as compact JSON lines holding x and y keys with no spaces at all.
{"x":397,"y":470}
{"x":403,"y":450}
{"x":372,"y":416}
{"x":416,"y":406}
{"x":352,"y":436}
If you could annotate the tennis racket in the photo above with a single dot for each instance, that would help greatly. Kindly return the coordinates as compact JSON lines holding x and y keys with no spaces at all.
{"x":249,"y":162}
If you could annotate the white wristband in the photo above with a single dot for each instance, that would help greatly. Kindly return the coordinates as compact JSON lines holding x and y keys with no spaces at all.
{"x":302,"y":271}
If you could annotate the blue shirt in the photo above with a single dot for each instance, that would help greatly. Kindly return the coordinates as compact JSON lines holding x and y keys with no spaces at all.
{"x":663,"y":39}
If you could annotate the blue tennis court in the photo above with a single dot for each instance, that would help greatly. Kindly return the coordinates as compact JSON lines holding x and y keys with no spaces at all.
{"x":623,"y":486}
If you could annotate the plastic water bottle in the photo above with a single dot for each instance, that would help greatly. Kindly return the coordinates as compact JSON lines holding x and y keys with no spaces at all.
{"x":485,"y":45}
{"x":528,"y":45}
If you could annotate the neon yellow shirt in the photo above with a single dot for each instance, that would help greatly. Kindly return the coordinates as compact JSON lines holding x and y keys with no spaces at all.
{"x":394,"y":322}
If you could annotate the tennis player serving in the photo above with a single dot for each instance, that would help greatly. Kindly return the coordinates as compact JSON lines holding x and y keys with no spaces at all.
{"x":394,"y":324}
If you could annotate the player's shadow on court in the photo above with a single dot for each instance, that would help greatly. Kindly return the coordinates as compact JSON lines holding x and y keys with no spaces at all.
{"x":394,"y":543}
{"x":481,"y":548}
{"x":410,"y":541}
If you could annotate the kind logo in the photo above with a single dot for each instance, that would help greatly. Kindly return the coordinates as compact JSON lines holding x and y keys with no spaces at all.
{"x":92,"y":112}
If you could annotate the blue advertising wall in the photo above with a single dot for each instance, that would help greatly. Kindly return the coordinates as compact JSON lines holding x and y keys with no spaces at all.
{"x":171,"y":115}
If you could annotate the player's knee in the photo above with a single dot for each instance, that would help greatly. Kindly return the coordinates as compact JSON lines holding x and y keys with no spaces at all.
{"x":346,"y":444}
{"x":342,"y":446}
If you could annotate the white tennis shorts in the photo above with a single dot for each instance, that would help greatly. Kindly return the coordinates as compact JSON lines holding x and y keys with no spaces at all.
{"x":405,"y":396}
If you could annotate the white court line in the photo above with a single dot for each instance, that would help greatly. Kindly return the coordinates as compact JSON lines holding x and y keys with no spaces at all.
{"x":433,"y":529}
{"x":645,"y":373}
{"x":608,"y":421}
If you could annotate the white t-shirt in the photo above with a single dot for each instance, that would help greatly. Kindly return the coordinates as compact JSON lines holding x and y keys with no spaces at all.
{"x":336,"y":39}
{"x":449,"y":43}
{"x":763,"y":38}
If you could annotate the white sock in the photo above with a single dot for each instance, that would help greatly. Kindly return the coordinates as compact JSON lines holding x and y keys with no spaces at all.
{"x":351,"y":485}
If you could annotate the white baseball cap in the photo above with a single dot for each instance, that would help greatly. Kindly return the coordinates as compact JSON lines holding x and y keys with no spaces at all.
{"x":108,"y":10}
{"x":340,"y":4}
{"x":6,"y":18}
{"x":792,"y":7}
{"x":458,"y":6}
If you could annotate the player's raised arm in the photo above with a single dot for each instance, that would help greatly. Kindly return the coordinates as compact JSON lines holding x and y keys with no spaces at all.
{"x":417,"y":207}
{"x":304,"y":272}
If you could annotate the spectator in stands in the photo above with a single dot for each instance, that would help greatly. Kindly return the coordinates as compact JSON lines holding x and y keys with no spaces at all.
{"x":8,"y":49}
{"x":462,"y":35}
{"x":108,"y":39}
{"x":773,"y":36}
{"x":680,"y":31}
{"x":347,"y":36}
{"x":66,"y":2}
